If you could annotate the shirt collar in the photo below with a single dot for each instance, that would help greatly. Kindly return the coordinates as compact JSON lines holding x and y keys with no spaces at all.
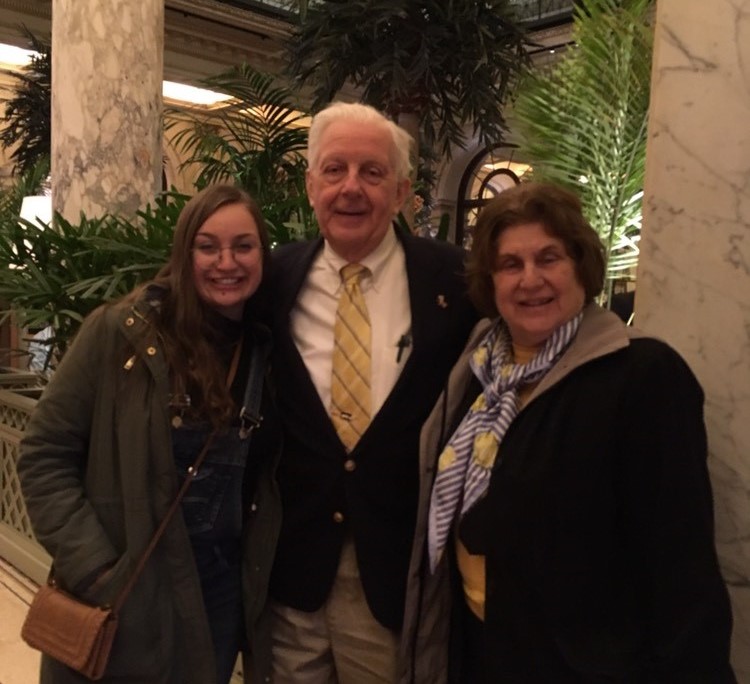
{"x":375,"y":261}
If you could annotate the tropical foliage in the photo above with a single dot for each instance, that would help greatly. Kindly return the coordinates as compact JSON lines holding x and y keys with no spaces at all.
{"x":256,"y":142}
{"x":434,"y":66}
{"x":28,"y":113}
{"x":54,"y":275}
{"x":28,"y":182}
{"x":584,"y":120}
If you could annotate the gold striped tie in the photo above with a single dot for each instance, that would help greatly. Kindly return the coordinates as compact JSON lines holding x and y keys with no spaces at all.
{"x":350,"y":381}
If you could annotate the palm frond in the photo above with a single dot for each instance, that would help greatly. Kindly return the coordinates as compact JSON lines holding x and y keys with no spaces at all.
{"x":451,"y":63}
{"x":54,"y":275}
{"x":256,"y":141}
{"x":28,"y":114}
{"x":584,"y":121}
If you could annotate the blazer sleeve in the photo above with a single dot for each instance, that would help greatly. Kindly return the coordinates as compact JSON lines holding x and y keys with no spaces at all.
{"x":53,"y":461}
{"x":667,"y":517}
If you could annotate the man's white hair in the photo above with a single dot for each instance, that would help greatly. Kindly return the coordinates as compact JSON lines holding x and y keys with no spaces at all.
{"x":357,"y":112}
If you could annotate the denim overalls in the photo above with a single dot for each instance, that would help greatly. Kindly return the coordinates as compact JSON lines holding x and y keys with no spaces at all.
{"x":213,"y":513}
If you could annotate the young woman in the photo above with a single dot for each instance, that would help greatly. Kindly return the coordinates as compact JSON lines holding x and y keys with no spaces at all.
{"x":146,"y":382}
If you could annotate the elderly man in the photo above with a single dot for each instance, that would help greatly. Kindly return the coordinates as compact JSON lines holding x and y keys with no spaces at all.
{"x":368,"y":322}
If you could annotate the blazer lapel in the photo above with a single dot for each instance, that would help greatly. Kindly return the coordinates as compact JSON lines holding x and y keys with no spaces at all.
{"x":426,"y":306}
{"x":288,"y":284}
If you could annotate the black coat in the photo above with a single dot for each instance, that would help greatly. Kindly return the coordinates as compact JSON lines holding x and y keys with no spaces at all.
{"x":378,"y":498}
{"x":598,"y":526}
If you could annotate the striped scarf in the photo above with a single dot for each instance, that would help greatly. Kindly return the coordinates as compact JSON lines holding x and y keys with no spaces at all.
{"x":465,"y":465}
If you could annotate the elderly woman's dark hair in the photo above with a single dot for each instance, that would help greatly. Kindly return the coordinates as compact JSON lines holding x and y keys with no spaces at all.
{"x":559,"y":211}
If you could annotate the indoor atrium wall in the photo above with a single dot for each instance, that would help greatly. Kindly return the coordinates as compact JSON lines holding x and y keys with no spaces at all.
{"x":694,"y":271}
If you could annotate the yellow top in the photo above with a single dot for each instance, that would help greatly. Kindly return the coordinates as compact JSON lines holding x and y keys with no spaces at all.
{"x":472,"y":567}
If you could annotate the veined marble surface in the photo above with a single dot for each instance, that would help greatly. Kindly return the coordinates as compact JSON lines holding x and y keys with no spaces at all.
{"x":694,"y":272}
{"x":107,"y":74}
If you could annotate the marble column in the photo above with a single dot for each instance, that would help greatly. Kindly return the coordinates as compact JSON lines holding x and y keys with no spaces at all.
{"x":107,"y":72}
{"x":694,"y":272}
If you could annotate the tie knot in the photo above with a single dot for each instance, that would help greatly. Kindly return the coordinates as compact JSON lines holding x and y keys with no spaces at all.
{"x":351,"y":273}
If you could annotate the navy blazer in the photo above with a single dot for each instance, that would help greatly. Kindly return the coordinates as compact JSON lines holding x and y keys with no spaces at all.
{"x":375,"y":502}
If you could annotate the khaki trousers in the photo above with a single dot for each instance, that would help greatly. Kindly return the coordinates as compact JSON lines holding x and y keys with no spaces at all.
{"x":341,"y":643}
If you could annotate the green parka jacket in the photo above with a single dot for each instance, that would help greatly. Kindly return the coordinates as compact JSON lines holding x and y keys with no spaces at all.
{"x":98,"y":475}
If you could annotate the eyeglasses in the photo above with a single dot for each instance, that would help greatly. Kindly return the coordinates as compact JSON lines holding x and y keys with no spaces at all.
{"x":208,"y":252}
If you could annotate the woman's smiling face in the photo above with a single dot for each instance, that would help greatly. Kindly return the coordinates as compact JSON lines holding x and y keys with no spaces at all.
{"x":228,"y":259}
{"x":536,"y":286}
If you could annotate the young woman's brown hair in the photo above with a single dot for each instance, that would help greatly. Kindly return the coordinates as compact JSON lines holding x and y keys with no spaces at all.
{"x":185,"y":324}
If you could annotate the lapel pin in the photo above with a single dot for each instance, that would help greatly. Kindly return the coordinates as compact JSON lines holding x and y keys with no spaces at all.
{"x":441,"y":301}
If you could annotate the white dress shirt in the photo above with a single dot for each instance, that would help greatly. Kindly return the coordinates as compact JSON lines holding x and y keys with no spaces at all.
{"x":386,"y":292}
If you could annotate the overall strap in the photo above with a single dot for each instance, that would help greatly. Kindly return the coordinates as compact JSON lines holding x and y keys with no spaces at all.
{"x":250,"y":417}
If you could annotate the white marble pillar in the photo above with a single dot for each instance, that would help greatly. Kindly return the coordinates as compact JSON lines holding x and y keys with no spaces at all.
{"x":694,"y":272}
{"x":107,"y":72}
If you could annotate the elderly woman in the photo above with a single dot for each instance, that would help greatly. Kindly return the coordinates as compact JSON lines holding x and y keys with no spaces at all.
{"x":565,"y":501}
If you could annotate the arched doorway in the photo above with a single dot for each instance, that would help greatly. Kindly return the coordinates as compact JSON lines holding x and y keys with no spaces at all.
{"x":490,"y":172}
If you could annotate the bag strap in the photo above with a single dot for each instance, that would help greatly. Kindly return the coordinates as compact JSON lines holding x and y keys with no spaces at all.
{"x":192,"y":472}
